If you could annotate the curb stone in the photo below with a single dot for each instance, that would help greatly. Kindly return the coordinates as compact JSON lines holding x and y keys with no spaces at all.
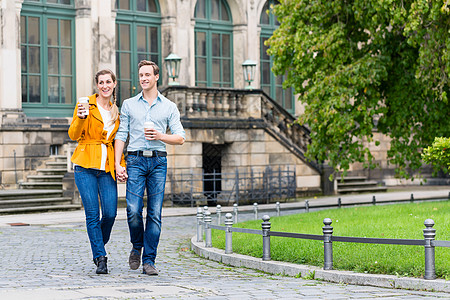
{"x":336,"y":276}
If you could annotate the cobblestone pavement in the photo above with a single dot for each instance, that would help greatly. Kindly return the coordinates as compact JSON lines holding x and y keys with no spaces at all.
{"x":54,"y":262}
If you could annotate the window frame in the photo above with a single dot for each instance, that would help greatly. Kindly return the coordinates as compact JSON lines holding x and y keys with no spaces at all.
{"x":44,"y":12}
{"x":266,"y":32}
{"x":211,"y":26}
{"x":134,"y":19}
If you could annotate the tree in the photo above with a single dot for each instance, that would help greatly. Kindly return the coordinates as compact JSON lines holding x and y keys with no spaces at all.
{"x":438,"y":154}
{"x":361,"y":66}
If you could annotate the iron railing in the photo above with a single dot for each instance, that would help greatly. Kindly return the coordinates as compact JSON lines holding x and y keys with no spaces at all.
{"x":204,"y":226}
{"x":237,"y":187}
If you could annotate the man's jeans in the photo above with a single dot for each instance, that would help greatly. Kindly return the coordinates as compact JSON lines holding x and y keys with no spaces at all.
{"x":150,"y":173}
{"x":91,"y":184}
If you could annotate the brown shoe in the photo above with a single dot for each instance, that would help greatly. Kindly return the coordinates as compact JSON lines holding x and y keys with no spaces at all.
{"x":135,"y":259}
{"x":149,"y":269}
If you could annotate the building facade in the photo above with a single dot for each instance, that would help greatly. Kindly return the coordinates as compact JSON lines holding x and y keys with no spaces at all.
{"x":51,"y":49}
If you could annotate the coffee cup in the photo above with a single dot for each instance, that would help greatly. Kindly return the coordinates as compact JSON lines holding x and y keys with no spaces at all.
{"x":149,"y":125}
{"x":85,"y":102}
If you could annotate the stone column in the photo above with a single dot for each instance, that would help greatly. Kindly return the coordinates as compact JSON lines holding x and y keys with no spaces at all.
{"x":84,"y":45}
{"x":183,"y":40}
{"x":106,"y":36}
{"x":10,"y":83}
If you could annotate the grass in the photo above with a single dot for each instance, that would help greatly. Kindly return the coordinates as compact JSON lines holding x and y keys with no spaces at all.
{"x":399,"y":221}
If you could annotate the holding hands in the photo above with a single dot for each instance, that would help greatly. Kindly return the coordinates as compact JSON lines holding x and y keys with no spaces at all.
{"x":121,"y":173}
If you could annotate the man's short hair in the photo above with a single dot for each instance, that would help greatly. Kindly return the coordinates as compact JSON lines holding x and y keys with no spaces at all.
{"x":149,"y":63}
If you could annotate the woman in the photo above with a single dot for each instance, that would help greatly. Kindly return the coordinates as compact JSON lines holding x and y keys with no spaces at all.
{"x":94,"y":163}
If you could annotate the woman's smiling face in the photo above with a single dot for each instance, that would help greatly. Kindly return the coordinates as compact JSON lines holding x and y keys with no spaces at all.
{"x":105,"y":85}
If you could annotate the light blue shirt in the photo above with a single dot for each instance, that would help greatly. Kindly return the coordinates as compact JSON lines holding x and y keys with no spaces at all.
{"x":135,"y":112}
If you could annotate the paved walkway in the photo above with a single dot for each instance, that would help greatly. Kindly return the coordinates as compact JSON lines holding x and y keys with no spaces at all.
{"x":51,"y":260}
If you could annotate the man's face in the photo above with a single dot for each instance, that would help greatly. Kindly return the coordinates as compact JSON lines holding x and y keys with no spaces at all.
{"x":147,"y":78}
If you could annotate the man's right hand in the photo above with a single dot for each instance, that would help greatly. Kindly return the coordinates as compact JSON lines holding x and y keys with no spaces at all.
{"x":121,"y":173}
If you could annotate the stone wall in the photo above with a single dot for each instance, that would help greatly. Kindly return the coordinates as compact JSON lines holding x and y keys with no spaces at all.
{"x":243,"y":150}
{"x":26,"y":146}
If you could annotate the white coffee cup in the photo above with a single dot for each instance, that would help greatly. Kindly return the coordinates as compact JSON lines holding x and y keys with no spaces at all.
{"x":149,"y":125}
{"x":85,"y":102}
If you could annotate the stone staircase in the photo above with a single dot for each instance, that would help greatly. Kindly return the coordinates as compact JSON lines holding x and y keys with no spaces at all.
{"x":42,"y":191}
{"x":358,"y":184}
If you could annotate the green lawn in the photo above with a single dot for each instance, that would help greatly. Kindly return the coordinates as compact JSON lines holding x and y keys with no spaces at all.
{"x":400,"y":221}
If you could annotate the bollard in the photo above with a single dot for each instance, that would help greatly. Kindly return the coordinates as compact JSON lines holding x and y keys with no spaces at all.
{"x":429,"y":234}
{"x":235,"y":211}
{"x":208,"y":238}
{"x":266,"y":237}
{"x":327,"y":244}
{"x":306,"y":206}
{"x":255,"y":210}
{"x":205,"y":209}
{"x":228,"y":234}
{"x":277,"y":206}
{"x":339,"y":202}
{"x":219,"y":213}
{"x":374,"y":200}
{"x":412,"y":198}
{"x":199,"y":224}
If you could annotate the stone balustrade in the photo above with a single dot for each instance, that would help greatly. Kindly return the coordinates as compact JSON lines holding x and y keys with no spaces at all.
{"x":227,"y":103}
{"x":207,"y":102}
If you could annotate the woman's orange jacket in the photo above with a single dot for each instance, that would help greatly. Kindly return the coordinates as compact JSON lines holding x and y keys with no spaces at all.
{"x":90,"y":135}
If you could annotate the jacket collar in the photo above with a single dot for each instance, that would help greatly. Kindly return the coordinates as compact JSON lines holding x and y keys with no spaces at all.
{"x":93,"y":109}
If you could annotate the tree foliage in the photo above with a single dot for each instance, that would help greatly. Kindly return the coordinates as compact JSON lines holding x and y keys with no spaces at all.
{"x":438,"y":154}
{"x":367,"y":65}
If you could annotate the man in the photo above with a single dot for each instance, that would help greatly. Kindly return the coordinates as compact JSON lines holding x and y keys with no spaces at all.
{"x":146,"y":162}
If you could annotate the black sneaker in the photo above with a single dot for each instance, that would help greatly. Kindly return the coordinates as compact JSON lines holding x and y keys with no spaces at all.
{"x":149,"y":269}
{"x":102,"y":268}
{"x":135,"y":259}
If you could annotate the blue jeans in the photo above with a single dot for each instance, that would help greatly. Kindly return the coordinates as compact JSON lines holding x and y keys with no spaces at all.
{"x":145,"y":173}
{"x":91,"y":184}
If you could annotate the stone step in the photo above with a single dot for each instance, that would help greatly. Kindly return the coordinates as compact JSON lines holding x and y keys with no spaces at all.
{"x":52,"y":171}
{"x":29,"y":194}
{"x":45,"y":178}
{"x":363,"y":189}
{"x":346,"y":184}
{"x":59,"y":158}
{"x":351,"y":179}
{"x":56,"y":164}
{"x":41,"y":185}
{"x":40,"y":208}
{"x":16,"y":203}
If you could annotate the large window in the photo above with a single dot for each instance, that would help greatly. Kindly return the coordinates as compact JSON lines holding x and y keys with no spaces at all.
{"x":213,"y":44}
{"x":271,"y":84}
{"x":138,"y":37}
{"x":48,"y":57}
